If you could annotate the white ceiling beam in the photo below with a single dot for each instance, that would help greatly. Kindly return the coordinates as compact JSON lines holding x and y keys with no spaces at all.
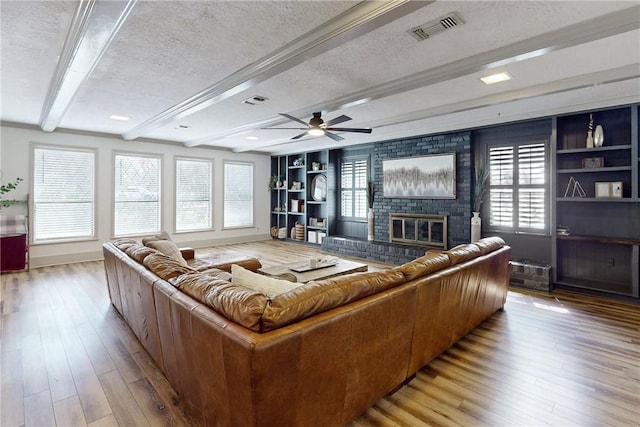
{"x":366,"y":16}
{"x":93,"y":27}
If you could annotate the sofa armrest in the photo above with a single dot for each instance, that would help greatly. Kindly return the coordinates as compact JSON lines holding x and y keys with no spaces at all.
{"x":187,"y":253}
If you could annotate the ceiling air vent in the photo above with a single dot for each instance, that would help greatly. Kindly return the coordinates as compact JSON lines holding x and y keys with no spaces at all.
{"x":431,"y":28}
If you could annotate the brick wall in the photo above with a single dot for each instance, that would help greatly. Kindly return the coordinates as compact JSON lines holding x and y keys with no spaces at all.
{"x":458,"y":210}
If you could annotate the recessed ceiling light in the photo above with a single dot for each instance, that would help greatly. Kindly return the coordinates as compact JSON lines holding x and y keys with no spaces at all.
{"x":183,"y":127}
{"x":252,"y":138}
{"x":496,"y":78}
{"x":119,"y":117}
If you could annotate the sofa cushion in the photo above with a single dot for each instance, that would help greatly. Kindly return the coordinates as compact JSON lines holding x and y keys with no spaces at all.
{"x":163,"y":235}
{"x":124,"y":243}
{"x":462,"y":253}
{"x":168,"y":248}
{"x":424,"y":265}
{"x":237,"y":303}
{"x":139,"y":252}
{"x":258,"y":282}
{"x":197,"y":285}
{"x":489,"y":244}
{"x":166,"y":267}
{"x":316,"y":297}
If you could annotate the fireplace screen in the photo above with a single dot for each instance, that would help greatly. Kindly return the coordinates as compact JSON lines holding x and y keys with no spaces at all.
{"x":419,"y":230}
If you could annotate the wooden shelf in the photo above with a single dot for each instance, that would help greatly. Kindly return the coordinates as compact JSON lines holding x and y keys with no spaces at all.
{"x":593,"y":170}
{"x":597,"y":199}
{"x":600,"y":239}
{"x":594,"y":150}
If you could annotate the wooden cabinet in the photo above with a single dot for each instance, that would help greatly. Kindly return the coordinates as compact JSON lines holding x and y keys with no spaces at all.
{"x":300,"y":204}
{"x":596,"y":200}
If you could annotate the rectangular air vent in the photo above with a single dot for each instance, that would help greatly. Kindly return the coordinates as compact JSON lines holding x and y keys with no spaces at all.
{"x":431,"y":28}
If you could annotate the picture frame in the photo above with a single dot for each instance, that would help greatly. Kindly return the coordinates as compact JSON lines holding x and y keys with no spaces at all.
{"x":609,"y":189}
{"x":424,"y":177}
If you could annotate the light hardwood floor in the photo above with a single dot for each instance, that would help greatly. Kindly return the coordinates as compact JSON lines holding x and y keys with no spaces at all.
{"x":68,"y":359}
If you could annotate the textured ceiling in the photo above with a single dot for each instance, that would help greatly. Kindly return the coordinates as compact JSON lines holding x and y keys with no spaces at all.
{"x":173,"y":64}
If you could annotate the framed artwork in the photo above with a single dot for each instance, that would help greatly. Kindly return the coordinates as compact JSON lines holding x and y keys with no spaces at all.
{"x":425,"y":177}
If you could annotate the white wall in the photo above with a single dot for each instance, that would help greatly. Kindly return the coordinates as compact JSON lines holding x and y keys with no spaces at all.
{"x":15,"y":161}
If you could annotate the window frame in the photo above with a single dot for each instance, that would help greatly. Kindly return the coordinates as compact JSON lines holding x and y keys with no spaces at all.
{"x":210,"y":162}
{"x":33,"y":239}
{"x":224,"y":193}
{"x":353,"y":159}
{"x":515,"y":186}
{"x":160,"y":159}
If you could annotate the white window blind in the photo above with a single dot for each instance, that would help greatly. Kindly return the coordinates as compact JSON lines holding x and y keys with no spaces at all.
{"x":137,"y":195}
{"x":63,"y":194}
{"x":518,"y":187}
{"x":193,"y":194}
{"x":353,"y":191}
{"x":238,"y":194}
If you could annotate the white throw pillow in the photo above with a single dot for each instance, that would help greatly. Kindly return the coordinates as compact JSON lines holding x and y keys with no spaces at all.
{"x":168,"y":248}
{"x":259,"y":282}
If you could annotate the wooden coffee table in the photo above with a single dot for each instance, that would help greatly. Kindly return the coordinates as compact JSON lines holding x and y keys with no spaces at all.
{"x":341,"y":267}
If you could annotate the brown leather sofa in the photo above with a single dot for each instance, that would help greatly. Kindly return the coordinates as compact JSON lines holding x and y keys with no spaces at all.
{"x":317,"y":355}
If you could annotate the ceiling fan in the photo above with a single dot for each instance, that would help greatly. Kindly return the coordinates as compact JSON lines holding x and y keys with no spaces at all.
{"x":318,"y":127}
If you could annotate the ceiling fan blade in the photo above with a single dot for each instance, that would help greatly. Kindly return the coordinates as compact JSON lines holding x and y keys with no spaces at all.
{"x":295,"y":119}
{"x":337,"y":120}
{"x":359,"y":130}
{"x":301,"y":135}
{"x":333,"y":136}
{"x":285,"y":128}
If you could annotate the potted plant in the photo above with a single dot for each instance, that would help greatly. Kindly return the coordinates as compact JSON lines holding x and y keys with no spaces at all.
{"x":480,"y":189}
{"x":371,"y":194}
{"x":4,"y":189}
{"x":275,"y":182}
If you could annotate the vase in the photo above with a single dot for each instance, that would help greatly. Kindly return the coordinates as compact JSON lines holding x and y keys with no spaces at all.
{"x":590,"y":139}
{"x":476,"y":227}
{"x":370,"y":223}
{"x":598,"y":137}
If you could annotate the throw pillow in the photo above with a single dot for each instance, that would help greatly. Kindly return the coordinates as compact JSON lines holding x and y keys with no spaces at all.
{"x":163,"y":235}
{"x":261,"y":283}
{"x":168,"y":248}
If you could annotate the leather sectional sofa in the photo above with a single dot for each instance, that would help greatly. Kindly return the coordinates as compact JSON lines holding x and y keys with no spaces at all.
{"x":319,"y":354}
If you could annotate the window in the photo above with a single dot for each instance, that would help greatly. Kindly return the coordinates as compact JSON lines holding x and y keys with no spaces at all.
{"x":353,"y":187}
{"x":137,"y":195}
{"x":518,"y":187}
{"x":238,"y":194}
{"x":63,"y":194}
{"x":193,"y":194}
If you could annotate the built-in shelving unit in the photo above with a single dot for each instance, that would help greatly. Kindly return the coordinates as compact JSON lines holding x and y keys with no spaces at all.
{"x":299,"y":206}
{"x":601,"y":251}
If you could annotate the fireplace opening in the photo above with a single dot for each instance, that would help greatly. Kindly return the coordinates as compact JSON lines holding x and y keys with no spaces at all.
{"x":418,"y":229}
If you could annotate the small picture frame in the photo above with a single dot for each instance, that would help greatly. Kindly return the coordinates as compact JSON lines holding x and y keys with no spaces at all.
{"x":603,"y":189}
{"x":593,"y":162}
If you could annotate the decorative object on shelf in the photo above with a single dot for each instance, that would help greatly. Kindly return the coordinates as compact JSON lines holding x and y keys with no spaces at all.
{"x":296,"y":186}
{"x":323,"y":167}
{"x":299,"y":161}
{"x":274,"y":232}
{"x":574,"y":189}
{"x":321,"y":222}
{"x":313,"y":222}
{"x":476,"y":227}
{"x":371,"y":195}
{"x":315,"y":166}
{"x":299,"y":231}
{"x":425,"y":177}
{"x":598,"y":136}
{"x":319,"y":188}
{"x":282,"y":233}
{"x":593,"y":162}
{"x":275,"y":182}
{"x":609,"y":189}
{"x":562,"y":230}
{"x":590,"y":132}
{"x":296,"y":206}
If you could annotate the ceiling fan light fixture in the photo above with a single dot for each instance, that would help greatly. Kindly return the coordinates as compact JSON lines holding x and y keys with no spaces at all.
{"x":316,"y":132}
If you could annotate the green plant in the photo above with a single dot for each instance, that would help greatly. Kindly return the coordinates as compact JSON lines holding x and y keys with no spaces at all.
{"x":273,"y":182}
{"x":4,"y":189}
{"x":480,"y":189}
{"x":371,"y":193}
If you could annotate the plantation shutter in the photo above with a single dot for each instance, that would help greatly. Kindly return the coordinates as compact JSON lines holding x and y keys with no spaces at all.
{"x":353,"y":182}
{"x":63,"y":194}
{"x":193,"y":194}
{"x":137,"y":195}
{"x":238,"y":194}
{"x":518,"y":187}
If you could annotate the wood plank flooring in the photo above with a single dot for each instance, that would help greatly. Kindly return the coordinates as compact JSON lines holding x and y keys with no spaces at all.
{"x":68,"y":359}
